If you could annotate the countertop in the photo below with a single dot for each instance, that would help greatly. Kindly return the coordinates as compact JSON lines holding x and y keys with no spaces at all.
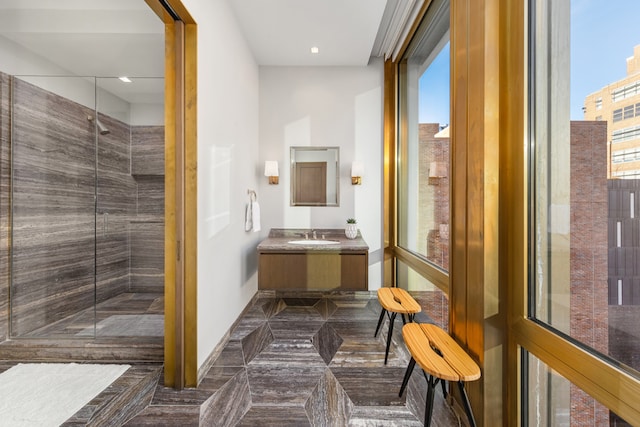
{"x":279,"y":238}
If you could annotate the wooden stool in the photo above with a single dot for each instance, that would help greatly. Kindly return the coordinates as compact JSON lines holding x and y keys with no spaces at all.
{"x":395,"y":300}
{"x":442,"y":359}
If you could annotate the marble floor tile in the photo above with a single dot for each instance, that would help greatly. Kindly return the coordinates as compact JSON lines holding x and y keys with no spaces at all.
{"x":326,"y":307}
{"x":254,"y":343}
{"x":125,"y":315}
{"x":246,"y":326}
{"x":387,"y":416}
{"x":329,"y":404}
{"x":228,"y":404}
{"x":306,"y":313}
{"x":371,"y":386}
{"x":282,"y":386}
{"x":275,"y":416}
{"x":231,"y":355}
{"x":307,"y":359}
{"x":216,"y":378}
{"x":287,"y":330}
{"x":289,"y":353}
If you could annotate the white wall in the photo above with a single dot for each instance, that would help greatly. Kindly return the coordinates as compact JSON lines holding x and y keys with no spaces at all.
{"x":227,"y":162}
{"x":325,"y":106}
{"x":243,"y":111}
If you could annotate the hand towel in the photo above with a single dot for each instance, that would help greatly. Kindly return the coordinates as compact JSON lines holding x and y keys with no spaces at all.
{"x":248,"y":218}
{"x":255,"y":216}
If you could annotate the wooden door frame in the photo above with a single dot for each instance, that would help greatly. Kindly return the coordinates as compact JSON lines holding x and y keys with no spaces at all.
{"x":180,"y":291}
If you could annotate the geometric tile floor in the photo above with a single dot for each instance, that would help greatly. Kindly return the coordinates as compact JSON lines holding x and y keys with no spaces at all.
{"x":304,"y":361}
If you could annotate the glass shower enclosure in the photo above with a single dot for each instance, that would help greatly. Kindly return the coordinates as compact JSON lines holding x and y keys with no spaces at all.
{"x":86,"y":253}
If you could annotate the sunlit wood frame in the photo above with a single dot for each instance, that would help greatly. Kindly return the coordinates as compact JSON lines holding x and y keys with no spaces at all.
{"x":489,"y":202}
{"x":180,"y":360}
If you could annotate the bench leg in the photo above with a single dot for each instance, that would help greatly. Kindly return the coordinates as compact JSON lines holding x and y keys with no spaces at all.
{"x":428,"y":410}
{"x":407,"y":375}
{"x":391,"y":321}
{"x":467,"y":405}
{"x":379,"y":322}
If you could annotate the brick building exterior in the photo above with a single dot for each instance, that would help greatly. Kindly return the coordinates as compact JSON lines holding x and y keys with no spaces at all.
{"x":588,"y":255}
{"x":433,"y":197}
{"x":597,"y":262}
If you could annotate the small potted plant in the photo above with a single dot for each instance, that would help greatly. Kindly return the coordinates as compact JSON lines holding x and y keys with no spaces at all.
{"x":351,"y":230}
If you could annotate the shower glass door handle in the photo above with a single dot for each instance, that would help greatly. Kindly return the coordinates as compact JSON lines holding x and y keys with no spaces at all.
{"x":105,"y":224}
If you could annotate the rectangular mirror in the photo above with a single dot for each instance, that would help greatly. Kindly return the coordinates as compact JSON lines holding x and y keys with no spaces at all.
{"x":315,"y":176}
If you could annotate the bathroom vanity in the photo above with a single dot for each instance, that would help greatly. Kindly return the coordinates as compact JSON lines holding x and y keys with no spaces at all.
{"x":312,"y":259}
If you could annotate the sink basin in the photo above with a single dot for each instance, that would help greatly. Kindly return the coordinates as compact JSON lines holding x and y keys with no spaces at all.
{"x":314,"y":242}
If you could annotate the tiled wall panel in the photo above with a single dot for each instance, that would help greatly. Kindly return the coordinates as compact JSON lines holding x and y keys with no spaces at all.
{"x":147,"y":150}
{"x":151,"y":197}
{"x":147,"y":256}
{"x":5,"y":174}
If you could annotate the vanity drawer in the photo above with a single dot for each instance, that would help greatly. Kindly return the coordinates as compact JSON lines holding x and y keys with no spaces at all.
{"x":313,"y":271}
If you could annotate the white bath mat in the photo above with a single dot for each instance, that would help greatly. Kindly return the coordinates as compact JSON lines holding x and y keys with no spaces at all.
{"x":47,"y":394}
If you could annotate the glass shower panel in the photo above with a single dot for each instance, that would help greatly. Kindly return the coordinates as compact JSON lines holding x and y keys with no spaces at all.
{"x":130,"y":209}
{"x":53,"y":149}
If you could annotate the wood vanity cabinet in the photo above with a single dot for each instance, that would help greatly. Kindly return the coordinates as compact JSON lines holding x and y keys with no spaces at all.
{"x":313,"y":270}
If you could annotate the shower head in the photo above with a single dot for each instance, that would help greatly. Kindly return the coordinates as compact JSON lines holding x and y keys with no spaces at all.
{"x":101,"y":128}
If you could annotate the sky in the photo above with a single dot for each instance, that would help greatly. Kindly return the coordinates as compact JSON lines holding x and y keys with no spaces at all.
{"x":434,"y":90}
{"x":603,"y":34}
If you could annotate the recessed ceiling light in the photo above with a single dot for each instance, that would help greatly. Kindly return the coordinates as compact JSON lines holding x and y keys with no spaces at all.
{"x":315,"y":49}
{"x":125,"y":79}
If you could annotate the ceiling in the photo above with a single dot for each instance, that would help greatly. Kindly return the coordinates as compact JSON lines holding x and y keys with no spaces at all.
{"x":125,"y":38}
{"x":282,"y":32}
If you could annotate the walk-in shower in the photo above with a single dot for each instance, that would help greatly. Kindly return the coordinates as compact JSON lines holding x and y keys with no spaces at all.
{"x":87,"y":210}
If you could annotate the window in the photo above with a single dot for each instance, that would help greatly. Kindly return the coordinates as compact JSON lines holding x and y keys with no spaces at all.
{"x":583,"y":232}
{"x":554,"y":399}
{"x":626,"y":91}
{"x":617,"y":115}
{"x":626,"y":134}
{"x":423,"y":147}
{"x":628,"y":112}
{"x":625,"y":156}
{"x":599,"y":104}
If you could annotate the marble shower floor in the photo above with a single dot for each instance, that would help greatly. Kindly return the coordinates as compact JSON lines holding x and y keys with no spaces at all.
{"x":125,"y":315}
{"x":304,"y":361}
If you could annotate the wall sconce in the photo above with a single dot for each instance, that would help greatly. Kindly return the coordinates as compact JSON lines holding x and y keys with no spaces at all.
{"x":271,"y":170}
{"x":437,"y":170}
{"x":357,"y":170}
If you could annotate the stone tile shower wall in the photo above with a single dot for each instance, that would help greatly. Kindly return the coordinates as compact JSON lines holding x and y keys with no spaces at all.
{"x":5,"y":174}
{"x":56,"y":222}
{"x":147,"y":230}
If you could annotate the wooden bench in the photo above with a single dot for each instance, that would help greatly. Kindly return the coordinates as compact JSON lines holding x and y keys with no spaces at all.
{"x":441,"y":359}
{"x":394,"y":301}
